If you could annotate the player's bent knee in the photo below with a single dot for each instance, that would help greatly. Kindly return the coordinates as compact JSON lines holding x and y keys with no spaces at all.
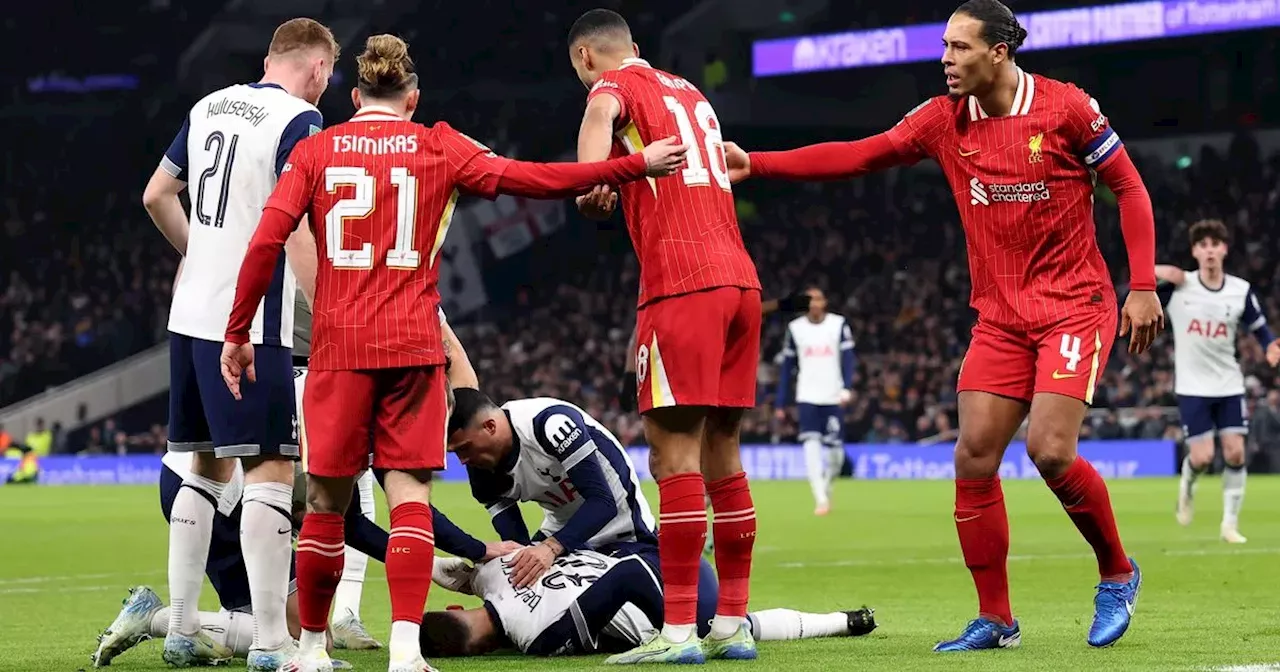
{"x":1201,"y":451}
{"x":268,"y":469}
{"x":1052,"y":451}
{"x":977,"y":459}
{"x":328,"y":495}
{"x":403,"y":487}
{"x":1233,"y":452}
{"x":675,"y":437}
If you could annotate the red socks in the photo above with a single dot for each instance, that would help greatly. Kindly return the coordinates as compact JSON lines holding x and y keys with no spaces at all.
{"x":983,"y":525}
{"x":410,"y":556}
{"x":1084,"y":495}
{"x":734,"y":531}
{"x":319,"y":565}
{"x":682,"y":531}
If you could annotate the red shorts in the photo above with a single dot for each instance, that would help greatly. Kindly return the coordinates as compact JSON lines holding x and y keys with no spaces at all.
{"x":1065,"y":358}
{"x":699,"y":349}
{"x":401,"y":413}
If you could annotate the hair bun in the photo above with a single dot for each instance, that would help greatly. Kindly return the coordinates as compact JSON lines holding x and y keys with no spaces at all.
{"x":385,"y":62}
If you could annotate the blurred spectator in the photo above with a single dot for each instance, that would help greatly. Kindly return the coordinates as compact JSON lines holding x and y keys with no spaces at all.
{"x":1264,"y":429}
{"x":40,"y":439}
{"x":715,"y":74}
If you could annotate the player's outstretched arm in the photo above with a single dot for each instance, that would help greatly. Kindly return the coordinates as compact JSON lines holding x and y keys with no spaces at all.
{"x":1170,"y":274}
{"x":562,"y":180}
{"x":825,"y":161}
{"x":160,"y":198}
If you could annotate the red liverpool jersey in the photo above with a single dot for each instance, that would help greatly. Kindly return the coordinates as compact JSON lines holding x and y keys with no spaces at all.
{"x":1024,"y":186}
{"x":684,"y":227}
{"x":380,"y":193}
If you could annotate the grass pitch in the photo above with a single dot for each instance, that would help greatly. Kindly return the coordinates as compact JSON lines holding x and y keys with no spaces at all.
{"x":70,"y":553}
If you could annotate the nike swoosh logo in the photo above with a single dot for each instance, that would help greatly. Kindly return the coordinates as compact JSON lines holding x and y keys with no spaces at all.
{"x":1063,"y":376}
{"x":1129,"y":607}
{"x":973,"y":517}
{"x":1005,"y":641}
{"x":964,"y":153}
{"x":284,"y":530}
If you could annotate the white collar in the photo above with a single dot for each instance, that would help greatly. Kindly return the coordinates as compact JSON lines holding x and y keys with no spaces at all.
{"x":376,"y":113}
{"x":1021,"y":98}
{"x":635,"y":61}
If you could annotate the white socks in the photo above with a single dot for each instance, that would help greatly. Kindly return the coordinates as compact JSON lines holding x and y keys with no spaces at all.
{"x":311,"y":642}
{"x":347,"y":597}
{"x":677,"y":633}
{"x":229,"y":628}
{"x":1189,"y":475}
{"x":405,"y":646}
{"x":780,"y":624}
{"x":835,"y":462}
{"x":1233,"y":479}
{"x":266,"y":538}
{"x":724,"y":627}
{"x":190,"y":531}
{"x":815,"y":465}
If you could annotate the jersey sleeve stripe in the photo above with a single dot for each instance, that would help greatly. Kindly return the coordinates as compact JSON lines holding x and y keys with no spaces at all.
{"x":1102,"y":148}
{"x":173,"y":169}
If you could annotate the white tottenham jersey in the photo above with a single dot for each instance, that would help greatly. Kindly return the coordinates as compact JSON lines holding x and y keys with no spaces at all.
{"x":1205,"y":325}
{"x":180,"y":463}
{"x":818,"y":348}
{"x":552,"y":436}
{"x":527,"y":612}
{"x":230,"y":151}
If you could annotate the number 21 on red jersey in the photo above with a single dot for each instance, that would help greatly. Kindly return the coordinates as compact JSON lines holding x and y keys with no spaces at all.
{"x":363,"y":203}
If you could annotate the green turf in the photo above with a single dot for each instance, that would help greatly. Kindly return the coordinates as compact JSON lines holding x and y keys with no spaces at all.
{"x":70,"y":553}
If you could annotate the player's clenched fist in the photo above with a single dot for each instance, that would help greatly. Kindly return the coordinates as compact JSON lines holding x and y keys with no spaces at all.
{"x":237,"y":358}
{"x":1273,"y":353}
{"x":664,"y":157}
{"x":738,"y":162}
{"x":1142,"y":318}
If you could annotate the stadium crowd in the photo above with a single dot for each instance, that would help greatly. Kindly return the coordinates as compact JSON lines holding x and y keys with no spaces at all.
{"x":88,"y":284}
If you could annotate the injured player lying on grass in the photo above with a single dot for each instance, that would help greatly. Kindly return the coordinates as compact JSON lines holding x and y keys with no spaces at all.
{"x":587,"y":603}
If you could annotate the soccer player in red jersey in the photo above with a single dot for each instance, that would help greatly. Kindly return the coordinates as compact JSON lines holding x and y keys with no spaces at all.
{"x":698,"y":329}
{"x":379,"y":191}
{"x":1020,"y":152}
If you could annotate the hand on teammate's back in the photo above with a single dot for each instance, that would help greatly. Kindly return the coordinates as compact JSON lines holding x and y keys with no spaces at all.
{"x":530,"y":564}
{"x":1142,"y":318}
{"x":664,"y":157}
{"x":599,"y":203}
{"x":737,"y":161}
{"x":497,"y":549}
{"x":237,"y":359}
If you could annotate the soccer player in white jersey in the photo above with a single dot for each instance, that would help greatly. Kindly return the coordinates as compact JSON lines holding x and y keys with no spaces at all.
{"x":1206,"y":309}
{"x":587,"y":603}
{"x":231,"y":149}
{"x":820,"y":345}
{"x":551,"y":452}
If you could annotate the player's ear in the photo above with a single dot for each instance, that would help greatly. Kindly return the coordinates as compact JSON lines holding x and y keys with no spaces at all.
{"x":411,"y":101}
{"x":355,"y":97}
{"x":635,"y":50}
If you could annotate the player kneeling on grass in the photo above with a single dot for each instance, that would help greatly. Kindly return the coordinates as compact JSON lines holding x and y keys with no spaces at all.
{"x":587,"y":603}
{"x":1206,"y":310}
{"x":551,"y":452}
